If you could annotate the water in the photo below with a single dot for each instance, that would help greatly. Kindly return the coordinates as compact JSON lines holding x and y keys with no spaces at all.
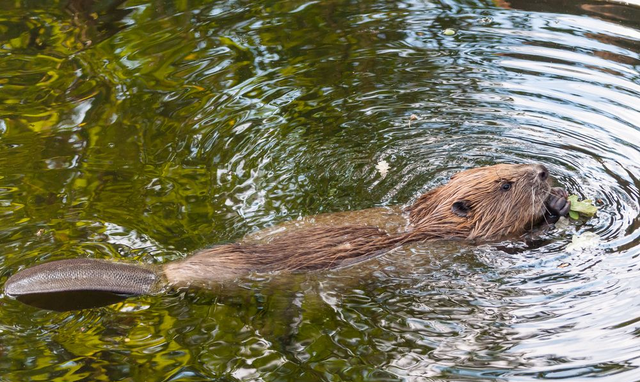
{"x":146,"y":130}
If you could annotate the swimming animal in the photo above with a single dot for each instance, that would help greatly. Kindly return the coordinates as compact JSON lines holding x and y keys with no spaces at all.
{"x":476,"y":205}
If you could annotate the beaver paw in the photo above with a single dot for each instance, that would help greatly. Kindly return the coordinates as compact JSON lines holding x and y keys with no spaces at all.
{"x":557,"y":205}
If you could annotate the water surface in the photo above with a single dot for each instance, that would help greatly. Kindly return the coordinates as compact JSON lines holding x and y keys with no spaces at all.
{"x":145,"y":130}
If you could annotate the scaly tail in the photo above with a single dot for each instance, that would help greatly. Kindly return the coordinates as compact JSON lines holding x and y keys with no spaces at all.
{"x":80,"y":283}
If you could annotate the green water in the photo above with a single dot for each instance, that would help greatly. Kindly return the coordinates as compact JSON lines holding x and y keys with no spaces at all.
{"x":145,"y":130}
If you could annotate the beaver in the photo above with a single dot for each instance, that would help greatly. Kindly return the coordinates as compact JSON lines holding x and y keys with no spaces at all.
{"x":477,"y":205}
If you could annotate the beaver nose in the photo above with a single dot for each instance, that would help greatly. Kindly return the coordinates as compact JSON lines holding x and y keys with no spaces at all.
{"x":543,"y":173}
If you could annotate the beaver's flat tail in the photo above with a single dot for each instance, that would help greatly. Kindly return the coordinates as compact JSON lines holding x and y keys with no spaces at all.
{"x":82,"y":275}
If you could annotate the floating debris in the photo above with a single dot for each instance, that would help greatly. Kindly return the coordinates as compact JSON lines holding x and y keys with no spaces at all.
{"x":586,"y":240}
{"x":383,"y":168}
{"x":413,"y":117}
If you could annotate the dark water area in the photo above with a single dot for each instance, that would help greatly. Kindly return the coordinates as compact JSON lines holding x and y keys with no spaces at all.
{"x":145,"y":130}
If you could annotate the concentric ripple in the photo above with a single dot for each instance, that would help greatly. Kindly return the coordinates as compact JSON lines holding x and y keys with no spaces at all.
{"x":144,"y":130}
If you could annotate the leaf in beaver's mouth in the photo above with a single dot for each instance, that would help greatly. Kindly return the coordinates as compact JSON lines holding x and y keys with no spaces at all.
{"x":584,"y":207}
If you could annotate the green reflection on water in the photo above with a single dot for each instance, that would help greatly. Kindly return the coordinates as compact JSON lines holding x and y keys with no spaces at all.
{"x":147,"y":129}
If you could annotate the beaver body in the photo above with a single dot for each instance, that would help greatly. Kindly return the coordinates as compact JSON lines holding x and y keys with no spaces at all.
{"x":483,"y":204}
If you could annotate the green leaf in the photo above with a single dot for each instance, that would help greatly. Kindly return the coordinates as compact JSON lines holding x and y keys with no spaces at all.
{"x":574,"y":215}
{"x":584,"y":207}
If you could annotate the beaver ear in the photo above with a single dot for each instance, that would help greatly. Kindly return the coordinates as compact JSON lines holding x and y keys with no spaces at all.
{"x":461,"y":208}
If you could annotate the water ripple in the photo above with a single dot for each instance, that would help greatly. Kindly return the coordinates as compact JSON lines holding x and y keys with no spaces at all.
{"x":146,"y":130}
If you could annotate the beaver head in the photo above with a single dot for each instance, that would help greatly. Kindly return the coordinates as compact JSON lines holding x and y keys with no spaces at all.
{"x":485,"y":203}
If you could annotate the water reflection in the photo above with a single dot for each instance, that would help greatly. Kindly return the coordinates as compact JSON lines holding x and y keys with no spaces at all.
{"x":145,"y":130}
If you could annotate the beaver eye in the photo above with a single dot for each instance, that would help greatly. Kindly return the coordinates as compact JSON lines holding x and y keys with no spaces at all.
{"x":506,"y":186}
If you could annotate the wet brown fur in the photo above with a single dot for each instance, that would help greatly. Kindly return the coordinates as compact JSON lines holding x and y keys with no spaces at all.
{"x":494,"y":213}
{"x":471,"y":206}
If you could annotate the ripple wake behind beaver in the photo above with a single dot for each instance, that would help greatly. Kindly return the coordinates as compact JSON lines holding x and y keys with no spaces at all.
{"x":477,"y":205}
